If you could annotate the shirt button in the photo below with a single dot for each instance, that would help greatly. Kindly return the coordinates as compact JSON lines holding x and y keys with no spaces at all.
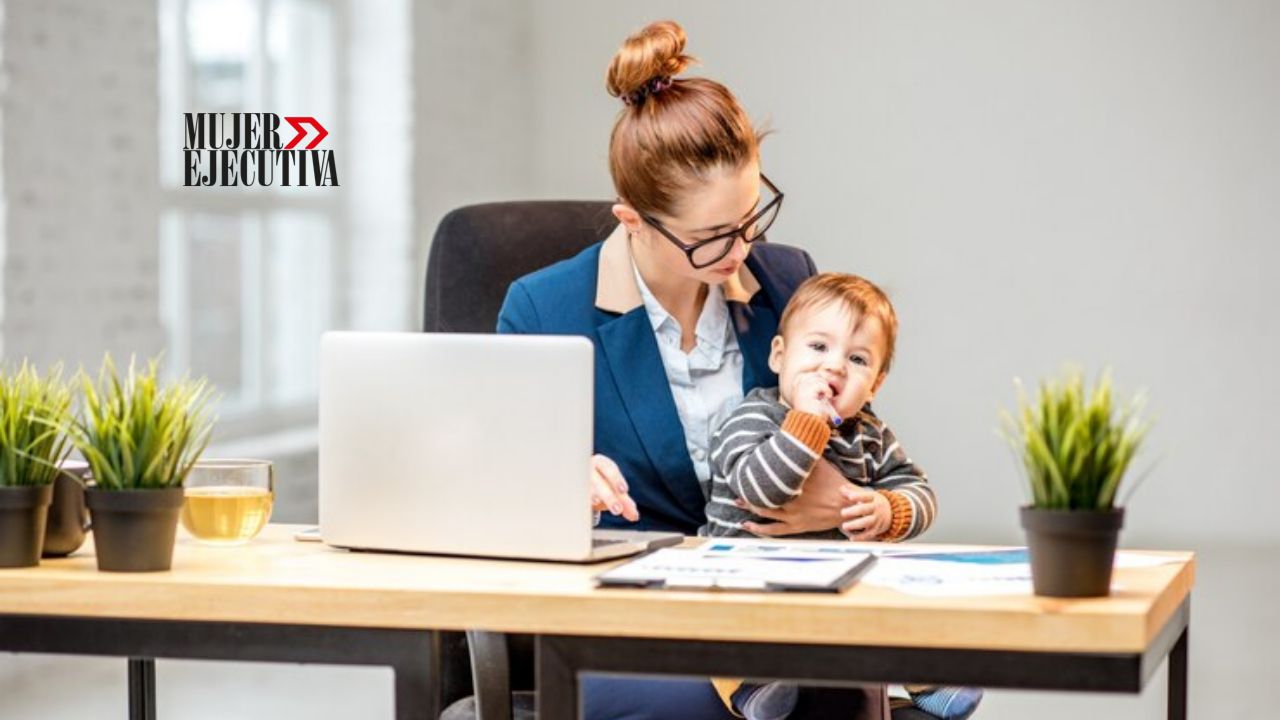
{"x":699,"y":454}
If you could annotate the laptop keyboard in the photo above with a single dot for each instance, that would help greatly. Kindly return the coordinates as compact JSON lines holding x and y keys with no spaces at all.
{"x":604,"y":542}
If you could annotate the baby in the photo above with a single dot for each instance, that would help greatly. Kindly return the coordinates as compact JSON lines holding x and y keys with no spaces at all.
{"x":832,"y":353}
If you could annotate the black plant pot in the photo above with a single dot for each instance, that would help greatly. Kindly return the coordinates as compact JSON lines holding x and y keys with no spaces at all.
{"x":68,"y":517}
{"x":23,"y":512}
{"x":134,"y":530}
{"x":1072,"y":551}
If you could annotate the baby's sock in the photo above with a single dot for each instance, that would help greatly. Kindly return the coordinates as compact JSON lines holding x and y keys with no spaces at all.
{"x":773,"y":701}
{"x":948,"y":703}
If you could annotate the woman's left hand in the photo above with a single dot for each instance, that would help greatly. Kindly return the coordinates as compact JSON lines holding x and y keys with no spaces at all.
{"x":816,"y":509}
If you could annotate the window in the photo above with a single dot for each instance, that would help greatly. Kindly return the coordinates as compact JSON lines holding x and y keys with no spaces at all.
{"x":248,"y":277}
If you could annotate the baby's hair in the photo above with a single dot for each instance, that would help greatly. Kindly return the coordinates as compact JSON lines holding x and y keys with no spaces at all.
{"x":857,"y":295}
{"x":671,"y":131}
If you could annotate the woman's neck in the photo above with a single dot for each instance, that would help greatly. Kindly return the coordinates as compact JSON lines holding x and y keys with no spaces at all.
{"x":683,"y":297}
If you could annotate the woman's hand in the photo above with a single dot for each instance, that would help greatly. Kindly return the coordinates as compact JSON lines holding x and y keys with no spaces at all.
{"x":816,"y":509}
{"x":609,"y":489}
{"x":867,"y":516}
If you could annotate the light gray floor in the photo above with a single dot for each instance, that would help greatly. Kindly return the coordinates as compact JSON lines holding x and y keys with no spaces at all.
{"x":1235,"y":622}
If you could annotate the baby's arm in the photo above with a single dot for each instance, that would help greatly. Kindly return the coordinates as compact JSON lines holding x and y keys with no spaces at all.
{"x":766,"y":464}
{"x":904,"y":484}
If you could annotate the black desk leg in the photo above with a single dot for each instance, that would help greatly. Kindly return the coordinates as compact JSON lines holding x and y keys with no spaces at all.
{"x":556,"y":681}
{"x":419,"y":688}
{"x":142,"y":689}
{"x":1178,"y":678}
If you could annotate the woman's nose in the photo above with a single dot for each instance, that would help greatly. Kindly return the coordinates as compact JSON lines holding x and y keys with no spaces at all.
{"x":739,"y":251}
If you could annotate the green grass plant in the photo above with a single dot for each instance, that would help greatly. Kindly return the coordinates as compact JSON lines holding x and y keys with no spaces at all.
{"x":137,"y":432}
{"x":34,"y":410}
{"x":1075,"y":443}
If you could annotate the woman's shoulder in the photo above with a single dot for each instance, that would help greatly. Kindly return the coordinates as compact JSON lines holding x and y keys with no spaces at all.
{"x":780,"y":269}
{"x":556,"y":298}
{"x":569,"y":275}
{"x":784,"y":257}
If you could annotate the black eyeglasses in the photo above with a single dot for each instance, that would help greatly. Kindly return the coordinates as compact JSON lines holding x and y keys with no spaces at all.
{"x":705,"y":253}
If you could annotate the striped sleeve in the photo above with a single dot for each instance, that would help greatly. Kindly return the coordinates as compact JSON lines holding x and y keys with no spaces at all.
{"x":894,"y":472}
{"x":766,"y":464}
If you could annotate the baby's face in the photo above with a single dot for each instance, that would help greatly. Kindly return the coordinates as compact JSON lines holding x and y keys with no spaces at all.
{"x":845,"y":350}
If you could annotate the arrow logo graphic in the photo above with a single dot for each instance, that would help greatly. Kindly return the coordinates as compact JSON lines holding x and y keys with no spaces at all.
{"x":297,"y":123}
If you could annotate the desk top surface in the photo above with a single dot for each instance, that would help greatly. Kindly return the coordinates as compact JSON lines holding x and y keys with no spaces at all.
{"x":275,"y":579}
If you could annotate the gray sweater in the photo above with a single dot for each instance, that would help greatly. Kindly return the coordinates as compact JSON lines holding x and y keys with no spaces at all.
{"x":754,"y":458}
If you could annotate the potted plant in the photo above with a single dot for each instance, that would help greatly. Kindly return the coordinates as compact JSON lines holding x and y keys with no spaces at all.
{"x":140,"y":438}
{"x":1075,"y":445}
{"x":33,"y":410}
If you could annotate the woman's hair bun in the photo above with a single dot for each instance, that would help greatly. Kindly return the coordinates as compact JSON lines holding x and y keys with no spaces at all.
{"x":655,"y":52}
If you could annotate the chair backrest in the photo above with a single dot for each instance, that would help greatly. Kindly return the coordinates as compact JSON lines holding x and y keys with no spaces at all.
{"x":479,"y":250}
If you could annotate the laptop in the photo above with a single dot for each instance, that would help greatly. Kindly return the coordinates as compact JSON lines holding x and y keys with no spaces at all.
{"x":462,"y":444}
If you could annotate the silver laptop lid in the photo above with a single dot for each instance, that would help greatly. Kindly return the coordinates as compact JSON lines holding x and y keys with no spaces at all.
{"x":456,"y":444}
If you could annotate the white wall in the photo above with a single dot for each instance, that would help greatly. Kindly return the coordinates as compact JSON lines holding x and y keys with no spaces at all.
{"x":1033,"y":183}
{"x":472,"y":98}
{"x":80,"y":177}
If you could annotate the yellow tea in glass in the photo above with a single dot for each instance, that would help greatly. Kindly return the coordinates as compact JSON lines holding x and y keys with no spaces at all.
{"x":228,"y":502}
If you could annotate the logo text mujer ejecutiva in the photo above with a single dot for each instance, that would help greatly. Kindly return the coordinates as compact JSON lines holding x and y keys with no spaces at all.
{"x":244,"y":149}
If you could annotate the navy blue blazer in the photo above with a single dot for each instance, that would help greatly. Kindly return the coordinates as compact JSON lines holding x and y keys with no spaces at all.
{"x":636,"y":424}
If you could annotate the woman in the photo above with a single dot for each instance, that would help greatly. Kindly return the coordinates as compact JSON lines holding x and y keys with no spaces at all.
{"x":681,"y":301}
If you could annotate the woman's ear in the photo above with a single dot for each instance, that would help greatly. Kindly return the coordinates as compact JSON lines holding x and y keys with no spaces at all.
{"x":775,"y":354}
{"x":628,"y":216}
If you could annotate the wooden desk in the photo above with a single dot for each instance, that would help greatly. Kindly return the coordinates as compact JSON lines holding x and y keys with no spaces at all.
{"x":281,"y":600}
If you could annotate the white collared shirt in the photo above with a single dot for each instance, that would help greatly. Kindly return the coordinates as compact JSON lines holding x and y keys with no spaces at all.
{"x":706,"y":382}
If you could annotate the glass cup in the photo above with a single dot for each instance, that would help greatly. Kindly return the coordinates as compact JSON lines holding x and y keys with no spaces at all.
{"x":228,"y":502}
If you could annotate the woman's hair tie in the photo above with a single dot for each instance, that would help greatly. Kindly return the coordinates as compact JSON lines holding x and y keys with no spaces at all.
{"x":655,"y":85}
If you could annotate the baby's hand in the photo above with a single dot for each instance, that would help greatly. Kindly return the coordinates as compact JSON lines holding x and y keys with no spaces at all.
{"x":811,"y":394}
{"x":867,"y":516}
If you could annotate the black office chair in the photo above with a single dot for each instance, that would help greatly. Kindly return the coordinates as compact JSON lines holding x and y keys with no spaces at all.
{"x":479,"y":249}
{"x":477,"y":252}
